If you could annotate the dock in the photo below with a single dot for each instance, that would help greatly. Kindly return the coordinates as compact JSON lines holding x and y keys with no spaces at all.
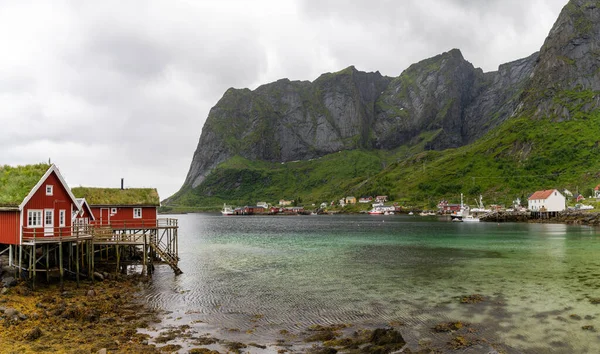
{"x":79,"y":249}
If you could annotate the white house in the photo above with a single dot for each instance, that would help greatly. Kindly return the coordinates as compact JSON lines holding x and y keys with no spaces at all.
{"x":548,"y":200}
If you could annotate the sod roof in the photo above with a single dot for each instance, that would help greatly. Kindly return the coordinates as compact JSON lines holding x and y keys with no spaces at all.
{"x":116,"y":196}
{"x":17,"y":181}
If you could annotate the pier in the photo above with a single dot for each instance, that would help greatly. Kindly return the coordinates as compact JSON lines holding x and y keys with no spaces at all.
{"x":78,"y":250}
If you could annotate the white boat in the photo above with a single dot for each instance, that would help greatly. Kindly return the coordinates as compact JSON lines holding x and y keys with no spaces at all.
{"x":470,"y":218}
{"x":462,"y":213}
{"x":375,"y":211}
{"x":227,"y":210}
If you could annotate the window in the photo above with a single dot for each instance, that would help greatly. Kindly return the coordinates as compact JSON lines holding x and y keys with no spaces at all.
{"x":49,"y":189}
{"x":61,"y":218}
{"x":34,"y":218}
{"x":137,"y":213}
{"x":49,"y":218}
{"x":113,"y":211}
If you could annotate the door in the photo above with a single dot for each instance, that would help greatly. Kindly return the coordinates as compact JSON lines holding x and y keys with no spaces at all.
{"x":104,"y":216}
{"x":48,"y":222}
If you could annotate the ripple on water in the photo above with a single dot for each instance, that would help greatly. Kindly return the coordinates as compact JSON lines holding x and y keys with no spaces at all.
{"x":268,"y":274}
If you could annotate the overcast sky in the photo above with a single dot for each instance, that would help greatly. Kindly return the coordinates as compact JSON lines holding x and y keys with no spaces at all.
{"x":111,"y":89}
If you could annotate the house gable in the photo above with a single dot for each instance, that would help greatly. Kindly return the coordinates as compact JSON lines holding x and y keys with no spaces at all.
{"x":60,"y":183}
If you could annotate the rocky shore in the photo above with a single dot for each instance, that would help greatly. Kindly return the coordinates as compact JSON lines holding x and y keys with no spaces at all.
{"x":99,"y":317}
{"x":579,"y":217}
{"x":106,"y":317}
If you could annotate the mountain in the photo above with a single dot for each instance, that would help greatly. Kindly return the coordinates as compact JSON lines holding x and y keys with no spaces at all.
{"x":438,"y":116}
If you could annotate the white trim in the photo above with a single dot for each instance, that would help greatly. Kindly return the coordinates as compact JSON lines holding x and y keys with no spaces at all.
{"x":49,"y":190}
{"x":52,"y":168}
{"x":134,"y":212}
{"x":21,"y":228}
{"x":62,"y":218}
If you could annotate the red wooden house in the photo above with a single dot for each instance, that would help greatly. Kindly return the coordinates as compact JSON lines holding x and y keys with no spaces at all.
{"x":35,"y":202}
{"x":124,"y":207}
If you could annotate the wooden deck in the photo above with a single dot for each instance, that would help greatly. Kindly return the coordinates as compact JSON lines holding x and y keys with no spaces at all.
{"x":157,"y":240}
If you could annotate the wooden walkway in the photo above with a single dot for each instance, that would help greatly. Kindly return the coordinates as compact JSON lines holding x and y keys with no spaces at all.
{"x":41,"y":249}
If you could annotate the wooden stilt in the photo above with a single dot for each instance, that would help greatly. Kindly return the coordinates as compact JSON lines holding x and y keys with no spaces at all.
{"x":60,"y":266}
{"x":77,"y":262}
{"x":33,"y":261}
{"x":47,"y":262}
{"x":144,"y":267}
{"x":118,"y":258}
{"x":20,"y":261}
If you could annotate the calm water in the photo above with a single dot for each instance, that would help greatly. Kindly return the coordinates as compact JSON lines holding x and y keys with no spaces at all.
{"x":259,"y":275}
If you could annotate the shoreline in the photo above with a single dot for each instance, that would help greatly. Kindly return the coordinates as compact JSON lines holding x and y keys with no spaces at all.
{"x":103,"y":316}
{"x":110,"y":317}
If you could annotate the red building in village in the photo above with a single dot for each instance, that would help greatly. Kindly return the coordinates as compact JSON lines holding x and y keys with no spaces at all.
{"x":43,"y":223}
{"x":35,"y":202}
{"x":121,"y":207}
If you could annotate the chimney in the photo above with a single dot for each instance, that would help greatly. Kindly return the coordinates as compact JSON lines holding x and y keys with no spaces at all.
{"x":122,"y":179}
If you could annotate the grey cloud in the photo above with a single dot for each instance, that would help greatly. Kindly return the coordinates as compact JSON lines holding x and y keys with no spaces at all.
{"x":125,"y":87}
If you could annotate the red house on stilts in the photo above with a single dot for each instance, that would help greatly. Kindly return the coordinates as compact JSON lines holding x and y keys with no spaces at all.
{"x":124,"y":207}
{"x":37,"y":212}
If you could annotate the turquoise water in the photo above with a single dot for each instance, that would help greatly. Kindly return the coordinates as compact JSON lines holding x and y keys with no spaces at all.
{"x":251,"y":277}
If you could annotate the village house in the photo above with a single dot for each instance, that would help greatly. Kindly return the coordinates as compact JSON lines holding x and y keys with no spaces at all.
{"x":35,"y":202}
{"x":252,"y":210}
{"x":350,"y":200}
{"x":381,"y":198}
{"x":597,"y":192}
{"x":284,"y":202}
{"x":446,"y":208}
{"x":365,"y":200}
{"x":121,"y":207}
{"x":550,"y":200}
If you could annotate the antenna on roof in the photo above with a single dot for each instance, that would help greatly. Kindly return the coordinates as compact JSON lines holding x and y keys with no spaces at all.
{"x":122,"y":180}
{"x":49,"y":162}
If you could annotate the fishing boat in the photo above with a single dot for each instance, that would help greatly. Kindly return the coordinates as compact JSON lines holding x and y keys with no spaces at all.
{"x":470,"y":218}
{"x":375,"y":211}
{"x":227,"y":210}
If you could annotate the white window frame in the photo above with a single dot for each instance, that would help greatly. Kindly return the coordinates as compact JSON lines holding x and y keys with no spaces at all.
{"x":137,"y":213}
{"x":49,"y":189}
{"x":62,"y":217}
{"x":49,"y":212}
{"x":38,"y":220}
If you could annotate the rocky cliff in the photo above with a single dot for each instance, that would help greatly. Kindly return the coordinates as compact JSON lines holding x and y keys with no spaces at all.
{"x":443,"y":100}
{"x":439,"y":103}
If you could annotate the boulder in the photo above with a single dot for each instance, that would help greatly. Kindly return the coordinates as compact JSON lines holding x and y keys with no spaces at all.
{"x":34,"y":334}
{"x":9,"y":281}
{"x":10,"y":312}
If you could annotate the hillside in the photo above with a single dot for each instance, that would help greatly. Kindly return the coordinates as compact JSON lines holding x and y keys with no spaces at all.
{"x":441,"y":128}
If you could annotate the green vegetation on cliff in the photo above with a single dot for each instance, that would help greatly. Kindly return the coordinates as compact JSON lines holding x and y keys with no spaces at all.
{"x":512,"y":161}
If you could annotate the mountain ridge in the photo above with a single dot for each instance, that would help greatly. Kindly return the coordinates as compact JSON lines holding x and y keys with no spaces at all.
{"x":440,"y":103}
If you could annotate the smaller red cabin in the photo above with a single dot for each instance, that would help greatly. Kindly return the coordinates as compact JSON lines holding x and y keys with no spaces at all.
{"x":121,"y":207}
{"x":35,"y":202}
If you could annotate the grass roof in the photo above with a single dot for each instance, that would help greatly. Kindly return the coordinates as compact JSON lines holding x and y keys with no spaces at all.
{"x":16,"y":182}
{"x":117,"y":196}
